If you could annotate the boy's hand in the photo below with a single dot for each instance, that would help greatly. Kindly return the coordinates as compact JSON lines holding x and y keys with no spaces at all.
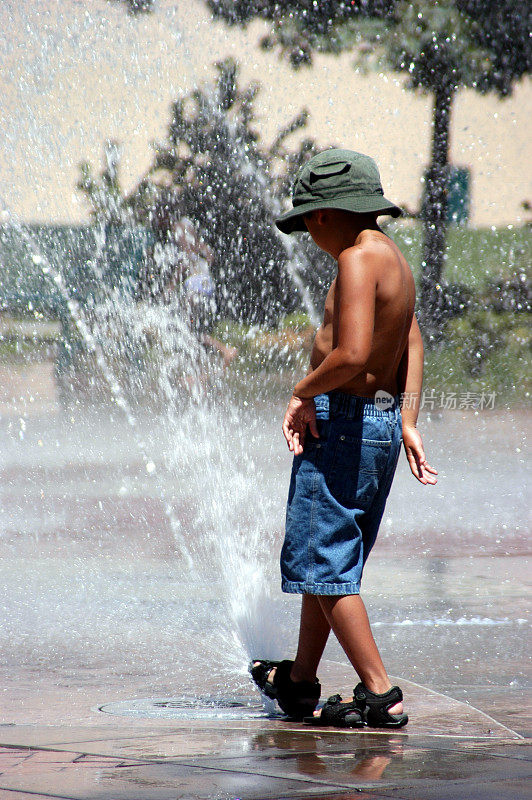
{"x":299,"y":414}
{"x":416,"y":456}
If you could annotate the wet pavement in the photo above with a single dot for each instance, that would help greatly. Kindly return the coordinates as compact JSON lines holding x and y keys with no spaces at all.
{"x":475,"y":757}
{"x":91,"y":734}
{"x":120,"y":674}
{"x":448,"y":750}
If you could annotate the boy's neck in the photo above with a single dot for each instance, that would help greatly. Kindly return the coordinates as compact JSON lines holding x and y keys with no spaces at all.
{"x":334,"y":230}
{"x":352,"y":236}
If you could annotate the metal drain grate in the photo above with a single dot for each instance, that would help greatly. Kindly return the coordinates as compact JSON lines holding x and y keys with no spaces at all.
{"x":207,"y":702}
{"x":202,"y":707}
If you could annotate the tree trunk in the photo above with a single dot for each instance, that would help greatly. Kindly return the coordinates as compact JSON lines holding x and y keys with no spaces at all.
{"x":435,"y":219}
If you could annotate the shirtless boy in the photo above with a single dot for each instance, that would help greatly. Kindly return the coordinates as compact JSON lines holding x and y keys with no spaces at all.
{"x":344,"y":425}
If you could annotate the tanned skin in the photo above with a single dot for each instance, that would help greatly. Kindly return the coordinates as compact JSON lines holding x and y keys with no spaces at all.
{"x":369,"y":340}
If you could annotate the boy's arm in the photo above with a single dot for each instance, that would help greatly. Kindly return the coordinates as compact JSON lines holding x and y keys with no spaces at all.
{"x":410,"y":375}
{"x":355,"y":300}
{"x":409,"y":382}
{"x":355,"y":309}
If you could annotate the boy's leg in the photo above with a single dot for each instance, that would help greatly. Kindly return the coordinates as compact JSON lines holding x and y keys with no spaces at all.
{"x":348,"y":619}
{"x":314,"y":631}
{"x":313,"y":634}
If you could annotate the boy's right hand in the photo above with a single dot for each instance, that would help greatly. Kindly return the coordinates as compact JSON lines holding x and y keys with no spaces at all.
{"x":416,"y":456}
{"x":300,"y":413}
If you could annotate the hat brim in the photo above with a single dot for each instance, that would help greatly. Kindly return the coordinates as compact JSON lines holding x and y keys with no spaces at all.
{"x":293,"y":220}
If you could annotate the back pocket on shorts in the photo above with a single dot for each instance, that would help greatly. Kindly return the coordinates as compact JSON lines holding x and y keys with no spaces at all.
{"x":358,"y":463}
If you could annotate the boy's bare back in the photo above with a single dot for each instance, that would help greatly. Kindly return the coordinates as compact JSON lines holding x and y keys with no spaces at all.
{"x":369,"y":341}
{"x":373,"y":266}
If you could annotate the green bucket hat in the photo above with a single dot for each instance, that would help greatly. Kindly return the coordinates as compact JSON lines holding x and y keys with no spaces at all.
{"x":339,"y":179}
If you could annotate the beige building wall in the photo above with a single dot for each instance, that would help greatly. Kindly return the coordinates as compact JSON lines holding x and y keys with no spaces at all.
{"x":75,"y":73}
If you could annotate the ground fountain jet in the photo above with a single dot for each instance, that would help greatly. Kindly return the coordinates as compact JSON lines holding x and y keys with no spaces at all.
{"x":228,"y":535}
{"x":230,"y":526}
{"x":96,"y":340}
{"x":146,"y":355}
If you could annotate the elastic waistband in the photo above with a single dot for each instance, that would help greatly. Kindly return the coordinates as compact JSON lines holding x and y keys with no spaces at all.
{"x":351,"y":406}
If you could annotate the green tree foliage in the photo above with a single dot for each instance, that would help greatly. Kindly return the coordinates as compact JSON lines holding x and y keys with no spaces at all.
{"x":213,"y":169}
{"x":441,"y":46}
{"x":104,"y":194}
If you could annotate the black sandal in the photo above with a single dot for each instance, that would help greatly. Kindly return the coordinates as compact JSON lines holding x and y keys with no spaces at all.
{"x":295,"y":698}
{"x":374,"y":707}
{"x":341,"y":715}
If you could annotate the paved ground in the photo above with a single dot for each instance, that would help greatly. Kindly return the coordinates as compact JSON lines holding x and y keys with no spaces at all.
{"x":449,"y":750}
{"x":282,"y":764}
{"x":98,"y":622}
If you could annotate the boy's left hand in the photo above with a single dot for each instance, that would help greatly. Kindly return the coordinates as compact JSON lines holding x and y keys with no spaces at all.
{"x":415,"y":454}
{"x":299,"y":414}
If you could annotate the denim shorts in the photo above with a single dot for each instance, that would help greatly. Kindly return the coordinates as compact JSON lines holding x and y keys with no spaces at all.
{"x":338,"y":492}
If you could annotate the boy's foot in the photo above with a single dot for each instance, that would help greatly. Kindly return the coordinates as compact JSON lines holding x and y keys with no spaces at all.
{"x":338,"y":714}
{"x":263,"y":673}
{"x":381,"y":710}
{"x":270,"y":677}
{"x":396,"y":709}
{"x":375,"y":710}
{"x":270,"y":673}
{"x":295,"y":698}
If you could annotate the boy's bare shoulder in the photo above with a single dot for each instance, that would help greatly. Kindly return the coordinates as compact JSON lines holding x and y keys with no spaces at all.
{"x":375,"y":256}
{"x":369,"y":248}
{"x":359,"y":256}
{"x":375,"y":261}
